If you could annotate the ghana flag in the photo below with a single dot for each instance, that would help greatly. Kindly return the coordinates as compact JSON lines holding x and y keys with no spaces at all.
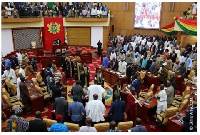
{"x":169,"y":29}
{"x":189,"y":26}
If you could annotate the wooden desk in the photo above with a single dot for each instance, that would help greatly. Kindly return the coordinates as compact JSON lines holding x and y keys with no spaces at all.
{"x":60,"y":47}
{"x":6,"y":108}
{"x":111,"y":77}
{"x":151,"y":79}
{"x":147,"y":110}
{"x":36,"y":102}
{"x":174,"y":125}
{"x":45,"y":60}
{"x":178,"y":81}
{"x":86,"y":57}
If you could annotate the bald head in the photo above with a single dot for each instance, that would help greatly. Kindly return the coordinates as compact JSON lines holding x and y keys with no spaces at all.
{"x":168,"y":83}
{"x":162,"y":87}
{"x":138,"y":121}
{"x":95,"y":96}
{"x":88,"y":121}
{"x":112,"y":125}
{"x":38,"y":114}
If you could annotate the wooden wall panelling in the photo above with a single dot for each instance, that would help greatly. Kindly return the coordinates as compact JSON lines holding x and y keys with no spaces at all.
{"x":105,"y":37}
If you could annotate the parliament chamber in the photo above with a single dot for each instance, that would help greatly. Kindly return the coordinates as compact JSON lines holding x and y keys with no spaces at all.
{"x":99,"y":66}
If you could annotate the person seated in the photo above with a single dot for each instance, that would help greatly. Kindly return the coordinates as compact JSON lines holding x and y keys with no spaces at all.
{"x":25,"y":57}
{"x":113,"y":64}
{"x":139,"y":127}
{"x":58,"y":127}
{"x":88,"y":127}
{"x":22,"y":71}
{"x":122,"y":66}
{"x":112,"y":127}
{"x":9,"y":73}
{"x":99,"y":78}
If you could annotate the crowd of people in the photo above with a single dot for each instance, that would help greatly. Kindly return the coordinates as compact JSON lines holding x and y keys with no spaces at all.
{"x":51,"y":9}
{"x":128,"y":55}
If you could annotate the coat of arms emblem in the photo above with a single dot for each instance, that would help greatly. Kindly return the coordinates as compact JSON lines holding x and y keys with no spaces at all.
{"x":53,"y":27}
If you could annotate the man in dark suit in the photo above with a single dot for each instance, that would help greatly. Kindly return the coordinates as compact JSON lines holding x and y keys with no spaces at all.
{"x":77,"y":91}
{"x":153,"y":67}
{"x":136,"y":84}
{"x":139,"y":127}
{"x":99,"y":48}
{"x":117,"y":110}
{"x":37,"y":125}
{"x":56,"y":91}
{"x":61,"y":106}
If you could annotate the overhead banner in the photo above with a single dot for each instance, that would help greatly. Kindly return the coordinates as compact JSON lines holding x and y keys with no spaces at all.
{"x":53,"y":29}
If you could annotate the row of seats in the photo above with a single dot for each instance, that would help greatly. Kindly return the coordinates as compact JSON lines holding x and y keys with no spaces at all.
{"x":100,"y":127}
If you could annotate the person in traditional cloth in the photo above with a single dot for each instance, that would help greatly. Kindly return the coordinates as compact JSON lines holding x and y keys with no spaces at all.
{"x":85,"y":75}
{"x":63,"y":63}
{"x":16,"y":123}
{"x":79,"y":66}
{"x":117,"y":89}
{"x":24,"y":94}
{"x":29,"y":69}
{"x":54,"y":67}
{"x":131,"y":106}
{"x":99,"y":78}
{"x":74,"y":69}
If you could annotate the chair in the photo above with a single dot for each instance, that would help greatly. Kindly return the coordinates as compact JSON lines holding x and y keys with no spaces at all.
{"x":170,"y":73}
{"x":49,"y":122}
{"x":13,"y":105}
{"x":17,"y":72}
{"x":125,"y":125}
{"x":39,"y":79}
{"x":142,"y":76}
{"x":163,"y":118}
{"x":185,"y":92}
{"x":142,"y":94}
{"x":33,"y":45}
{"x":13,"y":89}
{"x":12,"y":99}
{"x":183,"y":105}
{"x":177,"y":103}
{"x":191,"y":75}
{"x":41,"y":91}
{"x":72,"y":126}
{"x":35,"y":81}
{"x":102,"y":127}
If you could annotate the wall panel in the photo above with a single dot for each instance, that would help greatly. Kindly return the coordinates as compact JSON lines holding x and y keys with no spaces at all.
{"x":6,"y":41}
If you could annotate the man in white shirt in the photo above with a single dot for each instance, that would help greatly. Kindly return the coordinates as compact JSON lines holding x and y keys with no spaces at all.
{"x":95,"y":89}
{"x":18,"y":82}
{"x":122,"y":66}
{"x":19,"y":56}
{"x":182,"y":59}
{"x":112,"y":55}
{"x":10,"y":74}
{"x":21,"y":70}
{"x":161,"y":100}
{"x":95,"y":109}
{"x":177,"y":51}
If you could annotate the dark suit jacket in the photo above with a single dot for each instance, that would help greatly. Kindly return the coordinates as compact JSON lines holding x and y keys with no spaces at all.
{"x":153,"y":68}
{"x":56,"y":92}
{"x":136,"y":85}
{"x":37,"y":125}
{"x":61,"y":107}
{"x":77,"y":91}
{"x":117,"y":110}
{"x":139,"y":128}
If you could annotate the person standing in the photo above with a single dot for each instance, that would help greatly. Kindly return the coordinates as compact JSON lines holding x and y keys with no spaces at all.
{"x":88,"y":127}
{"x":58,"y":127}
{"x":56,"y":91}
{"x":161,"y":100}
{"x":10,"y":74}
{"x":16,"y":123}
{"x":76,"y":111}
{"x":95,"y":89}
{"x":105,"y":61}
{"x":99,"y":48}
{"x":37,"y":125}
{"x":24,"y":95}
{"x":170,"y":93}
{"x":117,"y":110}
{"x":61,"y":106}
{"x":99,"y":78}
{"x":136,"y":84}
{"x":131,"y":106}
{"x":95,"y":109}
{"x":117,"y":89}
{"x":139,"y":127}
{"x":85,"y":75}
{"x":77,"y":91}
{"x":21,"y":70}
